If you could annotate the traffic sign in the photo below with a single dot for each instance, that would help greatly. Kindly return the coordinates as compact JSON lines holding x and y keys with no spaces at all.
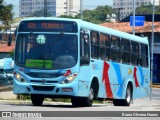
{"x":139,"y":20}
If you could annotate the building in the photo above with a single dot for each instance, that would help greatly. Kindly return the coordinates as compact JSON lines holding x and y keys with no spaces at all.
{"x":54,"y":7}
{"x":125,"y":7}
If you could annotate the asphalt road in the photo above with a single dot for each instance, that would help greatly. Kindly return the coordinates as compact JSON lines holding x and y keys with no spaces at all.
{"x":139,"y":108}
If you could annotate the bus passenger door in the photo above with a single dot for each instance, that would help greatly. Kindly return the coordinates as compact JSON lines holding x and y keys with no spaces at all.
{"x":84,"y":49}
{"x":84,"y":76}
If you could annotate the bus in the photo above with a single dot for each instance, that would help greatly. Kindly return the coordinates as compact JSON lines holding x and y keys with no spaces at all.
{"x":75,"y":59}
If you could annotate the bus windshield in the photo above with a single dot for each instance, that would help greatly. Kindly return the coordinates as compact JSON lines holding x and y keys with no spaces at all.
{"x":46,"y":51}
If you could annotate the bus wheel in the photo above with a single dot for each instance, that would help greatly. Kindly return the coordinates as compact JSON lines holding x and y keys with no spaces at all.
{"x":126,"y":101}
{"x":83,"y":101}
{"x":75,"y":102}
{"x":37,"y":100}
{"x":88,"y":101}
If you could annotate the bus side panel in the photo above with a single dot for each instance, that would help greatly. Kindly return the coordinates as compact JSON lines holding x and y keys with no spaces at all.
{"x":87,"y":73}
{"x":146,"y":82}
{"x":115,"y":78}
{"x":119,"y":78}
{"x":97,"y":68}
{"x":84,"y":81}
{"x":141,"y":82}
{"x":111,"y":81}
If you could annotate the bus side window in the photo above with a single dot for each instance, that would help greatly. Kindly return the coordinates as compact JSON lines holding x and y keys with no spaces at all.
{"x":94,"y":44}
{"x":135,"y":53}
{"x":84,"y":49}
{"x":144,"y":55}
{"x":125,"y":51}
{"x":115,"y":49}
{"x":104,"y":46}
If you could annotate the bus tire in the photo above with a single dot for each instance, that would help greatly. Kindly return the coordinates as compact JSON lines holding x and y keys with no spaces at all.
{"x":88,"y":101}
{"x":83,"y":101}
{"x":126,"y":101}
{"x":128,"y":98}
{"x":37,"y":100}
{"x":75,"y":101}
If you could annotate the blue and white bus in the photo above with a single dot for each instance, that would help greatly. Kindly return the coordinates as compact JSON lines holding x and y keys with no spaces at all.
{"x":71,"y":58}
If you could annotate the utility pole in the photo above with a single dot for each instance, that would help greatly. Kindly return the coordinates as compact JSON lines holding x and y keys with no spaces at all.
{"x":67,"y":7}
{"x":45,"y":8}
{"x":133,"y":26}
{"x":152,"y":41}
{"x":81,"y":9}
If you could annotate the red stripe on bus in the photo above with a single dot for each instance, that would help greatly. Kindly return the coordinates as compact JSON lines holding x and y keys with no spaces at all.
{"x":106,"y":80}
{"x":135,"y":77}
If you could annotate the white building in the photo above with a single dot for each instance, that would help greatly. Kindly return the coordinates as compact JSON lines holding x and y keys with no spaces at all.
{"x":125,"y":7}
{"x":55,"y":7}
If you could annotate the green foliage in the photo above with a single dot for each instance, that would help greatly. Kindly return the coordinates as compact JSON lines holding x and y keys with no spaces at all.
{"x":40,"y":13}
{"x":24,"y":97}
{"x":147,"y":9}
{"x":6,"y":14}
{"x":157,"y":9}
{"x":144,"y":9}
{"x":66,"y":16}
{"x":12,"y":54}
{"x":96,"y":16}
{"x":61,"y":100}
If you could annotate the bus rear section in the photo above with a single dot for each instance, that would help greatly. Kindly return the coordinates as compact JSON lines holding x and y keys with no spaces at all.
{"x":118,"y":68}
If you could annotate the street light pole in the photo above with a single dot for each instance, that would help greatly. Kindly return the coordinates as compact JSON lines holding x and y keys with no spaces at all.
{"x":152,"y":41}
{"x":81,"y":9}
{"x":133,"y":26}
{"x":45,"y":8}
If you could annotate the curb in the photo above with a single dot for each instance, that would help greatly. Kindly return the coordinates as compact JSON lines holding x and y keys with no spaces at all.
{"x":24,"y":102}
{"x":14,"y":102}
{"x":28,"y":102}
{"x":156,"y":86}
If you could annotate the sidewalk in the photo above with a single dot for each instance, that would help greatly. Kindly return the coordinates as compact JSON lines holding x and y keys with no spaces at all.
{"x":156,"y":86}
{"x":7,"y":93}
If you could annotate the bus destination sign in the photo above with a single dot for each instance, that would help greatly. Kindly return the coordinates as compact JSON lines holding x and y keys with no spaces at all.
{"x":48,"y":26}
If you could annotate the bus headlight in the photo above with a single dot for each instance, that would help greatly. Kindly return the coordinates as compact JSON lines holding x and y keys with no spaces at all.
{"x":69,"y":78}
{"x":19,"y":78}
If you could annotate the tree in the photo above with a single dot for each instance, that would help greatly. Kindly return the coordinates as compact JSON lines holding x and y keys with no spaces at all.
{"x":40,"y":13}
{"x":97,"y":15}
{"x":144,"y":9}
{"x":66,"y":16}
{"x":147,"y":9}
{"x":6,"y":13}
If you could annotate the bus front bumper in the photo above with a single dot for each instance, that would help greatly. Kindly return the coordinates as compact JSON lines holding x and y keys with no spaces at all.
{"x":70,"y":89}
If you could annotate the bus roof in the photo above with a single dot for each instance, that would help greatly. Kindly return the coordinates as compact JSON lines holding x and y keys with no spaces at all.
{"x":91,"y":26}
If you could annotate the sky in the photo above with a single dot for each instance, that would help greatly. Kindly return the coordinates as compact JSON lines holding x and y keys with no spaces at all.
{"x":87,"y":4}
{"x":91,"y":4}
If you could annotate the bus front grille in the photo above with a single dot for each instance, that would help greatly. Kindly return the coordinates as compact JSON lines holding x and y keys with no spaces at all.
{"x":37,"y":81}
{"x":43,"y":88}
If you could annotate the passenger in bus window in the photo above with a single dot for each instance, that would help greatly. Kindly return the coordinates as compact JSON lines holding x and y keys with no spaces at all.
{"x":71,"y":48}
{"x":94,"y":40}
